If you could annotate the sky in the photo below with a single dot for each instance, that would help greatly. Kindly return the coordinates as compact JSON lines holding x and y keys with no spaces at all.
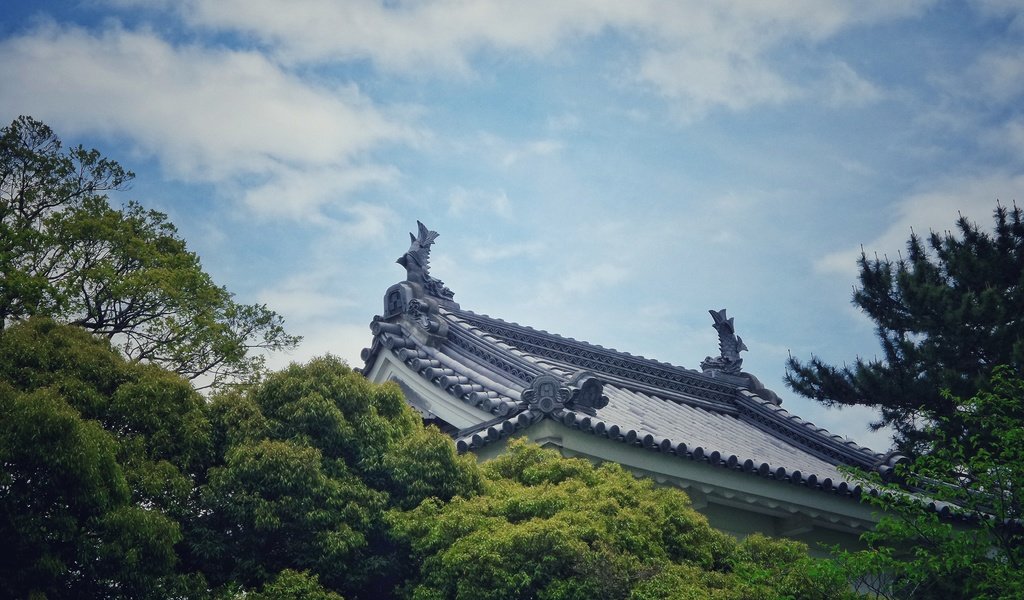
{"x":606,"y":170}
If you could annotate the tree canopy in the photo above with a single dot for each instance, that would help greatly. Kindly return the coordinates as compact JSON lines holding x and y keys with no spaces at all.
{"x":119,"y":480}
{"x":946,"y":314}
{"x":962,"y":535}
{"x":99,"y":457}
{"x":556,"y":528}
{"x":123,"y":274}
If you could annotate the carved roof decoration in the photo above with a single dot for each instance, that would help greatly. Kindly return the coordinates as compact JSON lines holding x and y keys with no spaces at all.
{"x":729,"y":346}
{"x":720,"y":416}
{"x":416,"y":261}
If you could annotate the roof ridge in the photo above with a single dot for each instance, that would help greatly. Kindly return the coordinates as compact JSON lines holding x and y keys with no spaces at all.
{"x":472,"y":314}
{"x":631,"y":368}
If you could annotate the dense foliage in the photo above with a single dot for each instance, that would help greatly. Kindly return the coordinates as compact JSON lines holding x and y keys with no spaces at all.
{"x":120,"y":481}
{"x":554,"y":528}
{"x":946,"y":315}
{"x":962,"y":536}
{"x":100,"y":461}
{"x":123,"y":274}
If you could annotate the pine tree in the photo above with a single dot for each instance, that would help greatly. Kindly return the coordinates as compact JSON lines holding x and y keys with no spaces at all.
{"x":946,"y":315}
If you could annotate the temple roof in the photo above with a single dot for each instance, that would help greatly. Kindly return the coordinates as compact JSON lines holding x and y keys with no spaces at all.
{"x":514,"y":376}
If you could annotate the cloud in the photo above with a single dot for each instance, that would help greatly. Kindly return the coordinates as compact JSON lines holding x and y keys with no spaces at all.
{"x":996,"y":76}
{"x":842,"y":86}
{"x":531,"y":149}
{"x":207,"y":114}
{"x":564,"y":122}
{"x":341,"y":339}
{"x":1012,"y":10}
{"x":934,"y":209}
{"x":698,"y":55}
{"x":489,"y":252}
{"x":405,"y":36}
{"x":304,"y":296}
{"x":462,"y":201}
{"x":581,"y":281}
{"x":698,"y":83}
{"x":310,"y":192}
{"x":1013,"y":137}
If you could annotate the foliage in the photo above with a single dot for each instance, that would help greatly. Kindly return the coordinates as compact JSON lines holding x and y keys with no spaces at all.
{"x":123,"y":274}
{"x":120,"y":481}
{"x":966,"y":538}
{"x":294,"y":585}
{"x":88,"y":496}
{"x":314,"y":455}
{"x":946,"y":314}
{"x":548,"y":527}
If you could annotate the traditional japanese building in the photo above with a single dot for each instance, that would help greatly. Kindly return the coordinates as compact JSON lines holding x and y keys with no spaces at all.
{"x":745,"y":461}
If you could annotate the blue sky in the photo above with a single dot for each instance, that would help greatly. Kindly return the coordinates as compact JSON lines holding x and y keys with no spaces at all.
{"x":606,"y":170}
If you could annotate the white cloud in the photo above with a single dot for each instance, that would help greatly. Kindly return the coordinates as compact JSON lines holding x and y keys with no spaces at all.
{"x":581,"y":281}
{"x":699,"y":82}
{"x":362,"y":222}
{"x":403,"y":36}
{"x":306,"y":193}
{"x":489,"y":251}
{"x":531,"y":149}
{"x":207,"y":114}
{"x":845,"y":87}
{"x":564,"y":122}
{"x":700,"y":55}
{"x":443,"y":33}
{"x":320,"y":338}
{"x":996,"y":76}
{"x":1013,"y":137}
{"x":462,"y":201}
{"x":1012,"y":10}
{"x":933,"y":209}
{"x":305,"y":297}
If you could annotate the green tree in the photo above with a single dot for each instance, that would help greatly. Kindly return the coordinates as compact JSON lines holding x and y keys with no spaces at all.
{"x":294,"y":585}
{"x":37,"y":178}
{"x":314,"y":456}
{"x":946,"y":314}
{"x":122,"y":274}
{"x":962,"y":534}
{"x":92,"y":495}
{"x":554,"y":528}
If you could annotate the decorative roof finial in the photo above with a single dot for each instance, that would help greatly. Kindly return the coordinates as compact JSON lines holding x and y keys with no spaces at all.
{"x":729,"y":345}
{"x":417,"y":263}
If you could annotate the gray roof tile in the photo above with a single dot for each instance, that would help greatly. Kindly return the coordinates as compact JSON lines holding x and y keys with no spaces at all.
{"x":487,"y":362}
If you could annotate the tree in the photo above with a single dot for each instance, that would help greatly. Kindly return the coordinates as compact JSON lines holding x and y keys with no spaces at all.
{"x":946,"y":314}
{"x":294,"y":585}
{"x":123,"y":274}
{"x":38,"y":178}
{"x":556,"y":528}
{"x":118,"y":479}
{"x":93,"y":492}
{"x":313,"y":457}
{"x":962,"y":535}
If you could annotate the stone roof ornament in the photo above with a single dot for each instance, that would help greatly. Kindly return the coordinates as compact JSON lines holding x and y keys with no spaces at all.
{"x":546,"y":394}
{"x":729,"y":345}
{"x":417,"y":264}
{"x":587,"y":393}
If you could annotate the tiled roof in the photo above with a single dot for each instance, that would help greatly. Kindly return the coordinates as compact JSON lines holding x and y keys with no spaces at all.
{"x":488,"y":363}
{"x":722,"y":417}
